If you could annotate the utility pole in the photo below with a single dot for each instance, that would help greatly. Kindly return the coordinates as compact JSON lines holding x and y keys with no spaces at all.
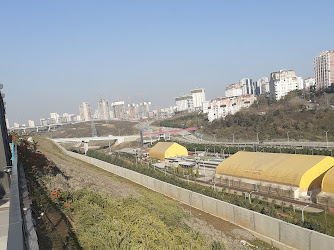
{"x":257,"y":137}
{"x":233,"y":137}
{"x":326,"y":138}
{"x":287,"y":135}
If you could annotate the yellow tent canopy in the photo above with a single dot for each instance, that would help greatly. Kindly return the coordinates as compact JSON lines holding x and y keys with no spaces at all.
{"x":164,"y":150}
{"x":303,"y":171}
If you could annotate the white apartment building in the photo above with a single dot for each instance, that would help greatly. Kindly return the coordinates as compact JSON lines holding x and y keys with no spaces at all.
{"x":55,"y":116}
{"x":233,"y":90}
{"x":85,"y":112}
{"x":198,"y":95}
{"x":184,"y":102}
{"x":31,"y":124}
{"x":103,"y":109}
{"x":324,"y":69}
{"x":247,"y":86}
{"x":16,"y":125}
{"x":262,"y":86}
{"x":221,"y":107}
{"x":282,"y":82}
{"x":309,"y":82}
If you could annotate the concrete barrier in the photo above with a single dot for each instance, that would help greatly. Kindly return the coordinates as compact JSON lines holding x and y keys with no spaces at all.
{"x":196,"y":200}
{"x":225,"y":211}
{"x":267,"y":226}
{"x":278,"y":233}
{"x":294,"y":236}
{"x":244,"y":217}
{"x":184,"y":195}
{"x":321,"y":241}
{"x":209,"y":205}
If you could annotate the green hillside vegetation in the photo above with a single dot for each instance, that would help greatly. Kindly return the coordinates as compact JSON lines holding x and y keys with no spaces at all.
{"x":305,"y":115}
{"x":90,"y":219}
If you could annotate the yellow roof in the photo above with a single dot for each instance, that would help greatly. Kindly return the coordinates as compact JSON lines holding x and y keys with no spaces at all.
{"x":328,"y":182}
{"x":288,"y":169}
{"x":167,"y":149}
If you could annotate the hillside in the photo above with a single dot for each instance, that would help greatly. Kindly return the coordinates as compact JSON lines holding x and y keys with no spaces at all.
{"x":84,"y":129}
{"x":305,"y":115}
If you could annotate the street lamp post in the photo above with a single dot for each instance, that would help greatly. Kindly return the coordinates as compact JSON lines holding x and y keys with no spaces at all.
{"x":303,"y":212}
{"x":249,"y":197}
{"x":326,"y":138}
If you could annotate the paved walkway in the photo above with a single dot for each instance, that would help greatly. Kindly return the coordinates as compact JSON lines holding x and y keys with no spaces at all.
{"x":4,"y":222}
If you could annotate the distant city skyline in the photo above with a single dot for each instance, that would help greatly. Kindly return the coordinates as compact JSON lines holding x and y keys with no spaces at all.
{"x":56,"y":55}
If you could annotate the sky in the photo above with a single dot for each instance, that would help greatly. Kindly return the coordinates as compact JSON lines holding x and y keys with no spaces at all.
{"x":56,"y":54}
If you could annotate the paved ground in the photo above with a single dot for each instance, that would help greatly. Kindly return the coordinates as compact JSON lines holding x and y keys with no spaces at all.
{"x":4,"y":222}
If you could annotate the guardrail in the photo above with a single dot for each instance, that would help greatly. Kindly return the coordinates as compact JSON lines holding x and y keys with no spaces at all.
{"x":21,"y":228}
{"x":15,"y":233}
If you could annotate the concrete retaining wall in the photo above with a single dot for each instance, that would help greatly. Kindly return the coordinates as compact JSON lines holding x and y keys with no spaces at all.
{"x":278,"y":233}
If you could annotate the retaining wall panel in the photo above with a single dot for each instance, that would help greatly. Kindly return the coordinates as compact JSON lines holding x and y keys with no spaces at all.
{"x":144,"y":180}
{"x":150,"y":183}
{"x":134,"y":176}
{"x":225,"y":211}
{"x":209,"y":205}
{"x":196,"y":200}
{"x":294,"y":236}
{"x":266,"y":226}
{"x":161,"y":187}
{"x":321,"y":241}
{"x":243,"y":217}
{"x":173,"y":191}
{"x":184,"y":195}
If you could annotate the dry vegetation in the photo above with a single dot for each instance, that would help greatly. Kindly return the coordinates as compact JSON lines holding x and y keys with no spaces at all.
{"x":305,"y":115}
{"x":84,"y":129}
{"x":86,"y":207}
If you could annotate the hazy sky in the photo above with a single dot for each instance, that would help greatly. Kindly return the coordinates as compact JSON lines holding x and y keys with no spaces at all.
{"x":56,"y":54}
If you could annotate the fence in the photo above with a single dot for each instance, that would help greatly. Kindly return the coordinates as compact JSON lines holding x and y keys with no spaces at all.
{"x":278,"y":233}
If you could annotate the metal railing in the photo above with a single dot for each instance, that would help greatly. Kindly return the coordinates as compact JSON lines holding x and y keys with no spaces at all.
{"x":15,"y":233}
{"x":21,"y":229}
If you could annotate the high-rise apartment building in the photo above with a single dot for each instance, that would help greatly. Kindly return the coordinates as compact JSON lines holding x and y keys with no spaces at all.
{"x":324,"y":69}
{"x":198,"y":95}
{"x":262,"y":86}
{"x":31,"y":124}
{"x":144,"y":109}
{"x":55,"y":117}
{"x":184,"y":102}
{"x":282,"y":82}
{"x":85,"y":111}
{"x":118,"y":109}
{"x":103,"y":110}
{"x":247,"y":86}
{"x":133,"y":111}
{"x":233,"y":89}
{"x":221,"y":107}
